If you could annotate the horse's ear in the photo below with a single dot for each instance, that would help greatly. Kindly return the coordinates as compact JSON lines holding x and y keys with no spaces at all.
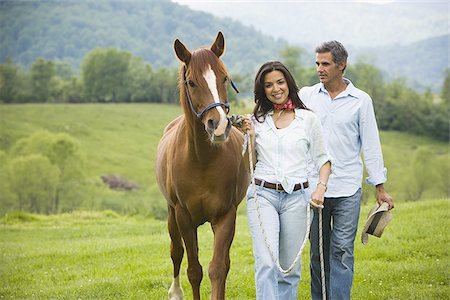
{"x":182,"y":52}
{"x":218,"y":47}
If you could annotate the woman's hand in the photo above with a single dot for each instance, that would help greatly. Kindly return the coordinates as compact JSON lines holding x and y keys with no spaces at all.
{"x":243,"y":123}
{"x":247,"y":125}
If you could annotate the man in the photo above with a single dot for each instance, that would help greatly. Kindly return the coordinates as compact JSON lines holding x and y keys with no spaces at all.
{"x":349,"y":127}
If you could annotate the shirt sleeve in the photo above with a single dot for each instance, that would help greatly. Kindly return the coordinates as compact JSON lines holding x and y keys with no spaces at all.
{"x":371,"y":146}
{"x":318,"y":152}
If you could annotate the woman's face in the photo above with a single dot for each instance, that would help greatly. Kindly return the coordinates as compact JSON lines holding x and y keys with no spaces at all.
{"x":276,"y":87}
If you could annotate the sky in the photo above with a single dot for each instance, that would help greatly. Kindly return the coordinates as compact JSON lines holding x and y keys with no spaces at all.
{"x":356,"y":23}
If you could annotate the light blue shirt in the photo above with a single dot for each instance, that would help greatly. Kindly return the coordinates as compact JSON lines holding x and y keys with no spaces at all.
{"x":283,"y":154}
{"x":349,"y":128}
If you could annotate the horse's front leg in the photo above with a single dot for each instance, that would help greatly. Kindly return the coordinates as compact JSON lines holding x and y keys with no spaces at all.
{"x":176,"y":253}
{"x":189,"y":233}
{"x":220,"y":264}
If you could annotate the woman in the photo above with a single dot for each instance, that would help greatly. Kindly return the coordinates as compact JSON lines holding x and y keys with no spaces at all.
{"x":284,"y":135}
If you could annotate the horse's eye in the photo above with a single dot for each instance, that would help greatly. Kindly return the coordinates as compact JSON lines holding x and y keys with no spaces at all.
{"x":191,"y":83}
{"x":225,"y":79}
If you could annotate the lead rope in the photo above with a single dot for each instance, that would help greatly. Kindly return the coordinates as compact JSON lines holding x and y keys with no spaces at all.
{"x":247,"y":145}
{"x":322,"y":267}
{"x":308,"y":217}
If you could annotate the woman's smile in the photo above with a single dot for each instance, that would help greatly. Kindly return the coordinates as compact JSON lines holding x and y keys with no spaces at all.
{"x":276,"y":87}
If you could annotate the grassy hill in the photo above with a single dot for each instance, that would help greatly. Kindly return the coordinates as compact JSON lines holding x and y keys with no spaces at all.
{"x":121,"y":139}
{"x":69,"y":30}
{"x":422,"y":73}
{"x":106,"y":256}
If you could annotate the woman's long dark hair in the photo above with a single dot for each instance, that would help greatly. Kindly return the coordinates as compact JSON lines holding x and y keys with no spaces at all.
{"x":264,"y":105}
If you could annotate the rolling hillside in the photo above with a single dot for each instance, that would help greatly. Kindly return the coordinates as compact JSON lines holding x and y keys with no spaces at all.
{"x":121,"y":139}
{"x":423,"y":62}
{"x":68,"y":30}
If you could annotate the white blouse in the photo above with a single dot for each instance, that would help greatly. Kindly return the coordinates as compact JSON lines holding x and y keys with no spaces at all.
{"x":282,"y":154}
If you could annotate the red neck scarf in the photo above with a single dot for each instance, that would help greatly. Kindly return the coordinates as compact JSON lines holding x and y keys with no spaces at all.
{"x":288,"y":105}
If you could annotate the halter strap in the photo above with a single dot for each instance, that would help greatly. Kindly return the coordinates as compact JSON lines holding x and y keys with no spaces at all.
{"x":212,"y":105}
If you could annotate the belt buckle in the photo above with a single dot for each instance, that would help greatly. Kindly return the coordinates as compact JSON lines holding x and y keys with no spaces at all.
{"x":279,"y":187}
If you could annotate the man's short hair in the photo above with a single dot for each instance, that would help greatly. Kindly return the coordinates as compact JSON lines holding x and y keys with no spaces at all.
{"x":337,"y":51}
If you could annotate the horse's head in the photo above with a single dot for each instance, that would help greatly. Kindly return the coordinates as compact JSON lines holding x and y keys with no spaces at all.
{"x":203,"y":87}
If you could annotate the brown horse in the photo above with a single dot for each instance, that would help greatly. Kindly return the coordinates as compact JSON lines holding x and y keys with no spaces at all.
{"x":200,"y":168}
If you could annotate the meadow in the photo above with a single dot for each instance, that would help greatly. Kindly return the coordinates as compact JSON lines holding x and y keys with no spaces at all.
{"x":116,"y":245}
{"x":121,"y":139}
{"x":102,"y":255}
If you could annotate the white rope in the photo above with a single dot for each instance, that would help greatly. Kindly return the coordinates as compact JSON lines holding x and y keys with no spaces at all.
{"x":322,"y":267}
{"x":248,"y":144}
{"x":308,"y":217}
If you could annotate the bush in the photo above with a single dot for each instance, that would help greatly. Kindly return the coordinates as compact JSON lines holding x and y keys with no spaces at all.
{"x":58,"y":153}
{"x":35,"y":191}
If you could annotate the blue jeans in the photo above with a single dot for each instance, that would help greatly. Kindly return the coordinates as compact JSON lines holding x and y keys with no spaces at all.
{"x":339,"y":224}
{"x":284,"y":218}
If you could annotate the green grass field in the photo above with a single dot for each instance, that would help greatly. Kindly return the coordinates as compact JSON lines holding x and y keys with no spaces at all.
{"x":101,"y":255}
{"x":121,"y":139}
{"x":124,"y":254}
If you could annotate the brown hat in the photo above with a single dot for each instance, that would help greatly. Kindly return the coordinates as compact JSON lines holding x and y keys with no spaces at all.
{"x":379,"y":217}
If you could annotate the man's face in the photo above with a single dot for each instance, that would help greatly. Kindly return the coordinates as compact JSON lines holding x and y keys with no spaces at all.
{"x":327,"y":70}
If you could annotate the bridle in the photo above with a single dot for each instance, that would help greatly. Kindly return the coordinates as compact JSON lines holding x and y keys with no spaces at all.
{"x":212,"y":105}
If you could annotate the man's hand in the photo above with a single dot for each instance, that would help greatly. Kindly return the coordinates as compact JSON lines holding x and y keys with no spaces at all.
{"x":382,"y":196}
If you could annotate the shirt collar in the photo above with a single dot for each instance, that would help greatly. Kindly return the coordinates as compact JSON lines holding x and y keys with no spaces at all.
{"x":297,"y":111}
{"x":350,"y":90}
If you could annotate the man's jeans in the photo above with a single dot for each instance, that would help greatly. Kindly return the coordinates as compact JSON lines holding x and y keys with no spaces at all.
{"x":284,"y":217}
{"x":340,"y":222}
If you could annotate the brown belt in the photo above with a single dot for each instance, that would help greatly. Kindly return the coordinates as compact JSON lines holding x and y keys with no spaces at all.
{"x":279,"y":187}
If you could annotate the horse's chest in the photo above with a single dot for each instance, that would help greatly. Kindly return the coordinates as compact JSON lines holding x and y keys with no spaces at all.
{"x":208,"y":191}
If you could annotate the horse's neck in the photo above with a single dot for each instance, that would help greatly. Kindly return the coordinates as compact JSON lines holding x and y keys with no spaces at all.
{"x":197,"y":141}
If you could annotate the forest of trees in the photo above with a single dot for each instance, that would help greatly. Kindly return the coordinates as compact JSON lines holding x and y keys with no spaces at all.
{"x":107,"y":75}
{"x":111,"y":75}
{"x":68,"y":30}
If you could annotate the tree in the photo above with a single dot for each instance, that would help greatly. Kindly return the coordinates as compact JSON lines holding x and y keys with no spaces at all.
{"x":368,"y":78}
{"x":165,"y":86}
{"x":445,"y":93}
{"x":41,"y":75}
{"x":63,"y":70}
{"x":8,"y":81}
{"x":291,"y":57}
{"x":63,"y":152}
{"x":71,"y":90}
{"x":244,"y":84}
{"x":139,"y":80}
{"x":7,"y":198}
{"x":37,"y":143}
{"x":105,"y":73}
{"x":34,"y":191}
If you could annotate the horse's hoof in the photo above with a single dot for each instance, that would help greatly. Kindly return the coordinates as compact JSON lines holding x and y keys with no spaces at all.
{"x":175,"y":291}
{"x":176,"y":296}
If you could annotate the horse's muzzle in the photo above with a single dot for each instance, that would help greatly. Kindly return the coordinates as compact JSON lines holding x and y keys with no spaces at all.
{"x":215,"y":138}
